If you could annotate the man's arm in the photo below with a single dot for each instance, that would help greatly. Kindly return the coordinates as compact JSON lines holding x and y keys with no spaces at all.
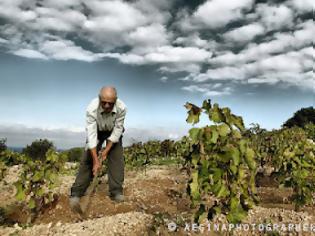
{"x":91,"y":128}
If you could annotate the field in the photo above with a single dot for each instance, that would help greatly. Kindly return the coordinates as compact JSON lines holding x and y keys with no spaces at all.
{"x":221,"y":179}
{"x":155,"y":197}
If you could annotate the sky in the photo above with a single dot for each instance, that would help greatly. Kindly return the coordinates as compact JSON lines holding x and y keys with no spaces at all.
{"x":253,"y":56}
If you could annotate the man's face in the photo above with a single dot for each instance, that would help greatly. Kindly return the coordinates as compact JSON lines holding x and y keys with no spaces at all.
{"x":107,"y":103}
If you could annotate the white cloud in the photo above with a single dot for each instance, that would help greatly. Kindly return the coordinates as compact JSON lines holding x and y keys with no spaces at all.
{"x":62,"y":3}
{"x":208,"y":90}
{"x":56,"y":19}
{"x":66,"y":50}
{"x":302,"y":5}
{"x":181,"y":67}
{"x":19,"y":135}
{"x":3,"y":41}
{"x":171,"y":59}
{"x":164,"y":79}
{"x":133,"y":135}
{"x":194,"y":40}
{"x":151,"y":33}
{"x":148,"y":36}
{"x":113,"y":16}
{"x":218,"y":13}
{"x":29,"y":53}
{"x":126,"y":58}
{"x":245,"y":33}
{"x":275,"y":17}
{"x":168,"y":54}
{"x":291,"y":68}
{"x":281,"y":43}
{"x":16,"y":14}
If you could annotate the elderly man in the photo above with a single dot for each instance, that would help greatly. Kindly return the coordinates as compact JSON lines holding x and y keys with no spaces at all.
{"x":105,"y":117}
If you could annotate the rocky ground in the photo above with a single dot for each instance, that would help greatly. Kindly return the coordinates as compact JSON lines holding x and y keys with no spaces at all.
{"x":155,"y":201}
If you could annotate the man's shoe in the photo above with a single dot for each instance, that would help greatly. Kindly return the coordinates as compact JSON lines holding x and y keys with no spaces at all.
{"x":118,"y":198}
{"x":74,"y":203}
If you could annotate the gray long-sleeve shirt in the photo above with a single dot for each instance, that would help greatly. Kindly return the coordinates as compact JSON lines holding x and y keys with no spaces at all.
{"x":97,"y":119}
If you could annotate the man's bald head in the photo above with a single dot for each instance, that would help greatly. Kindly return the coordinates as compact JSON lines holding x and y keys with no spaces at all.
{"x":108,"y":92}
{"x":108,"y":97}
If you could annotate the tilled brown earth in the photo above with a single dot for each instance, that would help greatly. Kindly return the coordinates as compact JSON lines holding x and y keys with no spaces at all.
{"x":154,"y":199}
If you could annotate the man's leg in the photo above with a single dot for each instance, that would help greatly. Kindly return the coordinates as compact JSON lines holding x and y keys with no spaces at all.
{"x":84,"y":175}
{"x":116,"y":166}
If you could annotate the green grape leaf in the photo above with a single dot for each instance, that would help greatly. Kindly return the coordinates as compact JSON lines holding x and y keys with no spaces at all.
{"x":236,"y":216}
{"x":40,"y":192}
{"x":194,"y":186}
{"x":216,"y":115}
{"x":233,"y":168}
{"x":20,"y":195}
{"x":31,"y":204}
{"x":193,"y":113}
{"x":194,"y":134}
{"x":214,"y":136}
{"x":206,"y":105}
{"x":238,"y":122}
{"x":223,"y":191}
{"x":250,"y":158}
{"x":223,"y":130}
{"x":38,"y":175}
{"x":217,"y":174}
{"x":234,"y":203}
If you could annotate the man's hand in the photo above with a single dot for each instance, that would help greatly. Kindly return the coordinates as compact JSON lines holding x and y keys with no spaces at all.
{"x":104,"y":154}
{"x":105,"y":151}
{"x":96,"y":167}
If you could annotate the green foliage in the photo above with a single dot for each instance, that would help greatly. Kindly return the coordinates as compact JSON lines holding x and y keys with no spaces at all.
{"x":301,"y":118}
{"x":3,"y":169}
{"x":310,"y":131}
{"x":220,"y":163}
{"x":38,"y":149}
{"x":37,"y":180}
{"x":74,"y":154}
{"x":10,"y":158}
{"x":152,"y":152}
{"x":167,"y":147}
{"x":3,"y":145}
{"x":291,"y":154}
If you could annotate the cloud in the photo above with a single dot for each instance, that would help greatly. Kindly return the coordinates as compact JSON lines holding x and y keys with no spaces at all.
{"x":275,"y":17}
{"x":29,"y":53}
{"x":164,"y":79}
{"x":169,"y":57}
{"x":302,"y":6}
{"x":268,"y":70}
{"x":133,"y":135}
{"x":62,"y":3}
{"x":218,"y":13}
{"x":149,"y":36}
{"x":113,"y":16}
{"x":209,"y":90}
{"x":58,"y":20}
{"x":66,"y":50}
{"x":194,"y":40}
{"x":231,"y":41}
{"x":245,"y":33}
{"x":281,"y":43}
{"x":19,"y":135}
{"x":3,"y":41}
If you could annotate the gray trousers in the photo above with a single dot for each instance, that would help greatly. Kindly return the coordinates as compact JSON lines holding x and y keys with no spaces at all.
{"x":115,"y":168}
